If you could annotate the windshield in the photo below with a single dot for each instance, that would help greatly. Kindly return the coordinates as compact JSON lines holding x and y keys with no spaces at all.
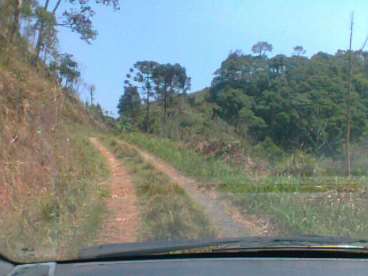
{"x":139,"y":121}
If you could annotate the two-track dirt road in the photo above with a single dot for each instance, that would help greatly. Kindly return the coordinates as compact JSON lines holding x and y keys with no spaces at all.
{"x":122,"y":223}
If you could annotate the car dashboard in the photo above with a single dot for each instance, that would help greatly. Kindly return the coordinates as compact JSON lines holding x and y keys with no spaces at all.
{"x":197,"y":266}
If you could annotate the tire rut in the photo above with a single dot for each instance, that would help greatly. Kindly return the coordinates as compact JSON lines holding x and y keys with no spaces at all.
{"x":121,"y":224}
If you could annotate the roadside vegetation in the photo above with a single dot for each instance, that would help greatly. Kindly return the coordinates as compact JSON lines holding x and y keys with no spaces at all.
{"x":62,"y":211}
{"x":297,"y":205}
{"x":167,"y":211}
{"x":50,"y":204}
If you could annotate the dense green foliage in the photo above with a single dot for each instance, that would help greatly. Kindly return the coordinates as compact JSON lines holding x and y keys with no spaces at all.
{"x":130,"y":103}
{"x":152,"y":81}
{"x":298,"y":102}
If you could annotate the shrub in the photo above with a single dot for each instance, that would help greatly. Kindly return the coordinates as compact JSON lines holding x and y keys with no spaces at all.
{"x":298,"y":164}
{"x":269,"y":151}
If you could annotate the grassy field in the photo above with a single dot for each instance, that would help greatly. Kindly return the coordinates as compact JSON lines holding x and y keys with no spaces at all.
{"x":296,"y":205}
{"x":167,"y":212}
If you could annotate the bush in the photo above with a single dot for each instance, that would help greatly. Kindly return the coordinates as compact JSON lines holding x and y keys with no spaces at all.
{"x":124,"y":125}
{"x":269,"y":151}
{"x":298,"y":164}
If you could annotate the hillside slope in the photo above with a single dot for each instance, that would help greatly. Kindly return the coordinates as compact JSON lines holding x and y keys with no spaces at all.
{"x":48,"y":169}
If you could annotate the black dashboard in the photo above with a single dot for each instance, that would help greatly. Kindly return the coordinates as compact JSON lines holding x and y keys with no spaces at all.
{"x":198,"y":266}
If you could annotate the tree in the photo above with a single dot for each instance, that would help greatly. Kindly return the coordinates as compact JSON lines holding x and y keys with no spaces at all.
{"x":92,"y":90}
{"x":299,"y":51}
{"x":47,"y":34}
{"x":130,"y":104}
{"x":141,"y":76}
{"x":77,"y":17}
{"x":17,"y":6}
{"x":261,"y":48}
{"x":66,"y":69}
{"x":278,"y":64}
{"x":11,"y":13}
{"x":170,"y":80}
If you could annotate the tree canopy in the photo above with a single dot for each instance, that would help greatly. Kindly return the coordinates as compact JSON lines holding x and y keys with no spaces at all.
{"x":129,"y":103}
{"x":261,"y":48}
{"x":298,"y":102}
{"x":156,"y":82}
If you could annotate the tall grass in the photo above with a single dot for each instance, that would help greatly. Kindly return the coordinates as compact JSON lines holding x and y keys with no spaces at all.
{"x":167,"y":212}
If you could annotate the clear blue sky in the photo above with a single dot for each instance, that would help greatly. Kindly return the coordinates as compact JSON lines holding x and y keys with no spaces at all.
{"x":199,"y":34}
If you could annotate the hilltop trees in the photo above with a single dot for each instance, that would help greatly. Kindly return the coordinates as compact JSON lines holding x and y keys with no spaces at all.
{"x":300,"y":104}
{"x":141,"y":76}
{"x":157,"y":82}
{"x":129,"y":106}
{"x":170,"y":80}
{"x":299,"y":51}
{"x":261,"y":48}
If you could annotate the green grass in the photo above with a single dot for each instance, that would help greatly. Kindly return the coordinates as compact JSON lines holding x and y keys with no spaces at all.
{"x":296,"y":205}
{"x":167,"y":213}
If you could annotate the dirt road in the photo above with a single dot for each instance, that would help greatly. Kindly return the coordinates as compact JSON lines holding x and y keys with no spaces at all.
{"x":226,"y":219}
{"x":122,"y":222}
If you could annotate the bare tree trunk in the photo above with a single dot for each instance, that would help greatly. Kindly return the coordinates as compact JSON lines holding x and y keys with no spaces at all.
{"x":40,"y":35}
{"x":348,"y":101}
{"x":147,"y":110}
{"x":165,"y":103}
{"x":16,"y":23}
{"x":91,"y":94}
{"x":56,"y":7}
{"x":165,"y":106}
